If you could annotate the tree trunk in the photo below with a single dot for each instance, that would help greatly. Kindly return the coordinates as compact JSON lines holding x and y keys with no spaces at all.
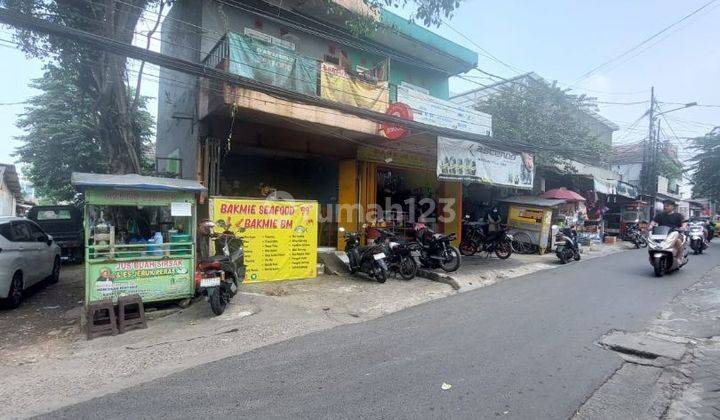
{"x":115,"y":114}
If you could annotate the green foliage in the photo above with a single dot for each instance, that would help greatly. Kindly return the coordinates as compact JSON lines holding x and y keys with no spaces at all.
{"x":62,"y":134}
{"x":429,"y":12}
{"x":705,"y":166}
{"x":546,"y":117}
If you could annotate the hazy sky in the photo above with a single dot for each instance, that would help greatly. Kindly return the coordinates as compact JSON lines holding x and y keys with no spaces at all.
{"x":559,"y":40}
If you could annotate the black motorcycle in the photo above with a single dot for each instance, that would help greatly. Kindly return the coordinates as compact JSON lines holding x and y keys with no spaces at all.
{"x":399,"y":256}
{"x":633,"y":234}
{"x":219,"y":276}
{"x":566,"y":247}
{"x":365,"y":259}
{"x":434,"y":250}
{"x":472,"y":236}
{"x":499,"y":242}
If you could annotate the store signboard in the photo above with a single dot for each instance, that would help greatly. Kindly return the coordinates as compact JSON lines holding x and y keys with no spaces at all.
{"x":136,"y":197}
{"x":463,"y":160}
{"x":399,"y":158}
{"x":153,"y":280}
{"x":280,"y":237}
{"x":430,"y":110}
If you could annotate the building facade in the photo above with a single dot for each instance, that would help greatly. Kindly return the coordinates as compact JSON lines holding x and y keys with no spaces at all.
{"x":241,"y":142}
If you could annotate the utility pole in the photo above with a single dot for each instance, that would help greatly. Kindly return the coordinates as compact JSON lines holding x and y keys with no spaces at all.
{"x":648,"y":150}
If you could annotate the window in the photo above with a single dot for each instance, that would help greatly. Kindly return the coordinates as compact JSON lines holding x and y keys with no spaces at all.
{"x":21,"y":232}
{"x":5,"y":231}
{"x":58,"y":214}
{"x":36,"y":234}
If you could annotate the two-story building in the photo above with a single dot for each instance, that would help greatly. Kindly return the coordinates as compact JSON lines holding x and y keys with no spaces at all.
{"x":239,"y":141}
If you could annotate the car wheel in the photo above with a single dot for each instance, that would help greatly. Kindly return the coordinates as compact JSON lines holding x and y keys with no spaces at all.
{"x":55,"y":275}
{"x":15,"y":294}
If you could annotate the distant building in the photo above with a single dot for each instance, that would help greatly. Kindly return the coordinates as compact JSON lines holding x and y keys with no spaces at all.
{"x":10,"y":193}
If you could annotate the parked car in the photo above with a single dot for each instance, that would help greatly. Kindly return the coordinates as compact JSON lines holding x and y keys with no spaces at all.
{"x":65,"y":224}
{"x":28,"y":256}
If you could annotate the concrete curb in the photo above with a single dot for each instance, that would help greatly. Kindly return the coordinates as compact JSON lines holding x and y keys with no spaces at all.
{"x":441,"y":278}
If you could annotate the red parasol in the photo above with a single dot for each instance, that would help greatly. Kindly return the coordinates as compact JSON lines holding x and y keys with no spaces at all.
{"x":562,"y":194}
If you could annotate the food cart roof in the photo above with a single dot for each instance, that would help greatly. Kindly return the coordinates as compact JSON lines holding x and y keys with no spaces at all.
{"x":134,"y":181}
{"x":531,"y":200}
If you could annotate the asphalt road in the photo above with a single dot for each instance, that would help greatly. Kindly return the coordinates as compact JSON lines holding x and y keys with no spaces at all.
{"x":523,"y":348}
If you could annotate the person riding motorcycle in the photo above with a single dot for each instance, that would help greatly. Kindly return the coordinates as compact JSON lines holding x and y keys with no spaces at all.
{"x":670,"y":218}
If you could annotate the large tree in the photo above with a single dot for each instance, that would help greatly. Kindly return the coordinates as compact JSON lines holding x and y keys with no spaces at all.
{"x":546,"y":117}
{"x":63,"y":134}
{"x":705,"y":166}
{"x":101,"y":76}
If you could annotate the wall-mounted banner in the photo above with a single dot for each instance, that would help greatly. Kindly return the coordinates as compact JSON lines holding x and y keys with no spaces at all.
{"x":337,"y":85}
{"x":280,"y":237}
{"x":273,"y":64}
{"x":440,"y":113}
{"x":469,"y":161}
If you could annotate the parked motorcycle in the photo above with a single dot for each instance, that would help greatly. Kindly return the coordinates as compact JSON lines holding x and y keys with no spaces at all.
{"x":697,"y":234}
{"x":218,"y":276}
{"x":499,"y":242}
{"x":435,"y":250}
{"x":633,"y":234}
{"x":472,"y":236}
{"x":365,"y":259}
{"x":399,"y":256}
{"x":662,"y":252}
{"x":566,"y":247}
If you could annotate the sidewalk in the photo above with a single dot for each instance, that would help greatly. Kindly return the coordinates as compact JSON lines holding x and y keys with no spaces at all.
{"x":65,"y":368}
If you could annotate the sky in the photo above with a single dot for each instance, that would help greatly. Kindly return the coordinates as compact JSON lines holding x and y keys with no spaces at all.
{"x":559,"y":40}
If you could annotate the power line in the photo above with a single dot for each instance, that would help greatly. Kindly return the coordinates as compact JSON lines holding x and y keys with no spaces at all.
{"x":644,"y":42}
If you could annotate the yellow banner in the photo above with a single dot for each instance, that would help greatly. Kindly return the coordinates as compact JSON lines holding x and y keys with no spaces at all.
{"x":280,"y":237}
{"x":336,"y":85}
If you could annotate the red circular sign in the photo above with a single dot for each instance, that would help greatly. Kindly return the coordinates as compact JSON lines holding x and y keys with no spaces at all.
{"x":394,"y":131}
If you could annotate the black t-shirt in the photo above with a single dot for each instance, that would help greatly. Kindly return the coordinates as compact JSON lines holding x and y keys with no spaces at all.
{"x":673,"y":220}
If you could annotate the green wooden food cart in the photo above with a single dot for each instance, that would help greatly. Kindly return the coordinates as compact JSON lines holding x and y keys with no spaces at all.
{"x":139,"y":236}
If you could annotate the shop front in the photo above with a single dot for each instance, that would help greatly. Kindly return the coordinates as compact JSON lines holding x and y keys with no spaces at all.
{"x":140,"y":236}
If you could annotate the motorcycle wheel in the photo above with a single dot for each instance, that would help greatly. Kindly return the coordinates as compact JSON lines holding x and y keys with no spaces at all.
{"x":380,"y":274}
{"x":407,"y":268}
{"x":658,"y":267}
{"x":468,"y":248}
{"x":453,"y":262}
{"x":503,"y":250}
{"x":566,"y":255}
{"x":218,"y":302}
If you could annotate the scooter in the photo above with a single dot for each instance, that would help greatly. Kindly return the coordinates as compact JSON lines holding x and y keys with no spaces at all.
{"x":365,"y":259}
{"x":434,"y":249}
{"x":218,"y":277}
{"x":662,"y":252}
{"x":566,"y":247}
{"x":697,"y":234}
{"x":399,"y":255}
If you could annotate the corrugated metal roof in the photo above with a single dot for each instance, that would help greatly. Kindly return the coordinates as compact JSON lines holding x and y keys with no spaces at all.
{"x":134,"y":181}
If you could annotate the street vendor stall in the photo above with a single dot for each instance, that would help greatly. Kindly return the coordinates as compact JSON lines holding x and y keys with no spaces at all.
{"x":139,"y":236}
{"x":533,"y":215}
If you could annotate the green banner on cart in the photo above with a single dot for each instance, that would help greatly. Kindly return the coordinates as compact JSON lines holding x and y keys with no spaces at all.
{"x":153,"y":280}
